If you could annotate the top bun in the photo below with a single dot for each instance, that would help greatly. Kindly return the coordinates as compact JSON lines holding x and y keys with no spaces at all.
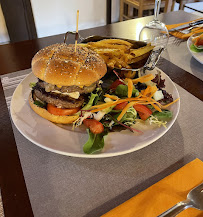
{"x":59,"y":64}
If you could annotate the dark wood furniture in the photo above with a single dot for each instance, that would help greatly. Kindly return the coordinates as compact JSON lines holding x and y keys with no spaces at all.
{"x":19,"y":20}
{"x":139,"y":5}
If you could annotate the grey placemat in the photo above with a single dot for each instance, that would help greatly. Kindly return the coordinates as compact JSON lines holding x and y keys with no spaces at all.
{"x":180,"y":56}
{"x":66,"y":186}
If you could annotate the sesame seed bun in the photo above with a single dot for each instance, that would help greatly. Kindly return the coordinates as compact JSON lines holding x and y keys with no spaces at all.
{"x":59,"y":64}
{"x":53,"y":118}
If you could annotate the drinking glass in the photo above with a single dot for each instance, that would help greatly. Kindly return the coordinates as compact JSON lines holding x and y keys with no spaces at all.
{"x":155,"y":32}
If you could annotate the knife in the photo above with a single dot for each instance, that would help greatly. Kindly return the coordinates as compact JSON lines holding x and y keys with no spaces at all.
{"x":186,"y":25}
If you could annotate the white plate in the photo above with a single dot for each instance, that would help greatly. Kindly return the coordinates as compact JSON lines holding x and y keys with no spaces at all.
{"x":67,"y":142}
{"x":197,"y":56}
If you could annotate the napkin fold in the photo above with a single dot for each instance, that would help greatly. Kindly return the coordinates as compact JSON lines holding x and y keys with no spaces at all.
{"x":181,"y":35}
{"x":164,"y":194}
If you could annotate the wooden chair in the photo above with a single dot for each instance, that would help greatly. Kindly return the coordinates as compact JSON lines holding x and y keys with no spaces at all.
{"x":140,"y":5}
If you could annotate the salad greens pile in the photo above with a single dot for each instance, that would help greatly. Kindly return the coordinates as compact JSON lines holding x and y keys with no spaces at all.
{"x":197,"y":43}
{"x":120,"y":105}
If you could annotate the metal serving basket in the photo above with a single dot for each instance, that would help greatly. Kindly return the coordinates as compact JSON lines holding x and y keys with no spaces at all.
{"x":147,"y":63}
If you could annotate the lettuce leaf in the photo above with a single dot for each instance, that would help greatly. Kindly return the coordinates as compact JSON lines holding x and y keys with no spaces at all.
{"x":193,"y":48}
{"x":94,"y":143}
{"x":39,"y":104}
{"x":91,"y":101}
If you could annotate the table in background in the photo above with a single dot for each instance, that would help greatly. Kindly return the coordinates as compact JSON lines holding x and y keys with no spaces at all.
{"x":64,"y":186}
{"x":195,"y":6}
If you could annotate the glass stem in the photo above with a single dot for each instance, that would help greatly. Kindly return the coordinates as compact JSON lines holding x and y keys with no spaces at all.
{"x":157,"y":9}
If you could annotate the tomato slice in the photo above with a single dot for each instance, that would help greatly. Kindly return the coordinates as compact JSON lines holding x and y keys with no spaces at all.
{"x":115,"y":84}
{"x":95,"y":126}
{"x":120,"y":106}
{"x":143,"y":111}
{"x":199,"y":40}
{"x":61,"y":111}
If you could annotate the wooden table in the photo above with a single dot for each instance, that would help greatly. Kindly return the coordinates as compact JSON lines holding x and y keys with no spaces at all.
{"x":17,"y":56}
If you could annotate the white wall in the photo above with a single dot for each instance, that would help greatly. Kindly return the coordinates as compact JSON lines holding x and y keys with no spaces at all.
{"x":59,"y":16}
{"x":3,"y":29}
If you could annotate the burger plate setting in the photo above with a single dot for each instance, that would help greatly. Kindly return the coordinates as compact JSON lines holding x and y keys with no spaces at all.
{"x":91,"y":112}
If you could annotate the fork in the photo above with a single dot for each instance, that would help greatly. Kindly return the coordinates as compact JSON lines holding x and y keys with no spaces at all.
{"x":194,"y":199}
{"x":176,"y":41}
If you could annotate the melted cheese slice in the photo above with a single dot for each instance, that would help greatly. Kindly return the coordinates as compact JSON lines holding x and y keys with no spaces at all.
{"x":74,"y":95}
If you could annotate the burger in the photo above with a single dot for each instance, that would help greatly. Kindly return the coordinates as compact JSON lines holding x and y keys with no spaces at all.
{"x":65,"y":79}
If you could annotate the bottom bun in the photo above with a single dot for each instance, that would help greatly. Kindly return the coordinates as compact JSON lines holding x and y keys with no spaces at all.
{"x":53,"y":118}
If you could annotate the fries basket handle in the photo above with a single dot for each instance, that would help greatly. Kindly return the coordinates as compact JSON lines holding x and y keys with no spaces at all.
{"x":153,"y":59}
{"x":77,"y":36}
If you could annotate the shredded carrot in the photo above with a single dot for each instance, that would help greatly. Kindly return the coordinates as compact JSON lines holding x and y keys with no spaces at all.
{"x":134,"y":99}
{"x":141,"y":99}
{"x":147,"y":91}
{"x":125,"y":110}
{"x":144,"y":78}
{"x":130,"y":88}
{"x":116,"y":102}
{"x":153,"y":100}
{"x":156,"y":107}
{"x":153,"y":91}
{"x":111,"y":96}
{"x":165,"y":106}
{"x":104,"y":105}
{"x":140,"y":95}
{"x":99,"y":109}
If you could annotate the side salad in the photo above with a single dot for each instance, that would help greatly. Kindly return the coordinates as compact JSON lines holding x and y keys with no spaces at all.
{"x":123,"y":103}
{"x":197,"y":43}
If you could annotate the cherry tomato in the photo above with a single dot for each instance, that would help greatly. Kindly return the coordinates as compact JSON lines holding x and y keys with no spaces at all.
{"x":120,"y":106}
{"x":143,"y":111}
{"x":199,"y":40}
{"x":61,"y":111}
{"x":115,"y":84}
{"x":95,"y":126}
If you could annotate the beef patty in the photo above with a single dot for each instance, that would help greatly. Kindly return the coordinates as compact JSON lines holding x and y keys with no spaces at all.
{"x":50,"y":87}
{"x":59,"y":100}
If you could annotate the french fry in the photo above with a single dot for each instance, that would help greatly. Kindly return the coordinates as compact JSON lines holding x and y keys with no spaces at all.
{"x":105,"y":58}
{"x":128,"y":57}
{"x":120,"y":53}
{"x":129,"y":74}
{"x":110,"y":52}
{"x":111,"y":63}
{"x":120,"y":63}
{"x":140,"y":51}
{"x":138,"y":58}
{"x":112,"y":46}
{"x":117,"y":41}
{"x":83,"y":45}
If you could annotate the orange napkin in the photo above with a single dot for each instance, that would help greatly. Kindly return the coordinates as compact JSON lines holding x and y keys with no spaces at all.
{"x":164,"y":194}
{"x":181,"y":35}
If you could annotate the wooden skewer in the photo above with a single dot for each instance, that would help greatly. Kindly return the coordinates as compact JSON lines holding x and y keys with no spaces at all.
{"x":76,"y":36}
